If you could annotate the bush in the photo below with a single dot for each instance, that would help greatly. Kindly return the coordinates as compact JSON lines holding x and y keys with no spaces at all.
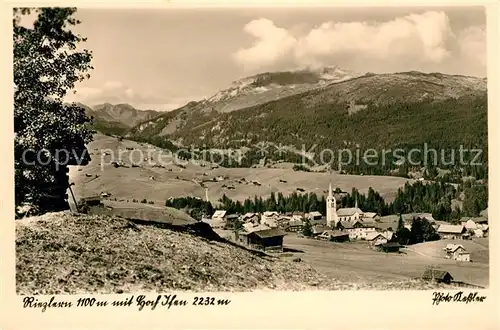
{"x":144,"y":201}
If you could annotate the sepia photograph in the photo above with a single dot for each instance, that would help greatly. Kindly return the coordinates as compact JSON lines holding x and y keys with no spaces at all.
{"x":244,"y":149}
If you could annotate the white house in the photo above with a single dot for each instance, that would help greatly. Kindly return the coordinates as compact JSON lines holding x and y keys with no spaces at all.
{"x":451,"y":231}
{"x":315,"y":215}
{"x":456,"y":252}
{"x":250,"y":217}
{"x":270,"y":218}
{"x":376,"y":238}
{"x":219,"y":215}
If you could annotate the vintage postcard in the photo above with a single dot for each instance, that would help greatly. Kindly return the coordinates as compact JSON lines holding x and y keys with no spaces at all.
{"x":310,"y":165}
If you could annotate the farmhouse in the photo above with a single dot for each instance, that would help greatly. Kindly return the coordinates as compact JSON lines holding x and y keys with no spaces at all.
{"x":295,"y":225}
{"x":334,"y":236}
{"x":214,"y":222}
{"x":250,"y":227}
{"x":478,"y":233}
{"x":370,"y":217}
{"x":456,"y":252}
{"x":315,"y":215}
{"x":267,"y":239}
{"x":219,"y":215}
{"x":319,"y":229}
{"x":451,"y":231}
{"x":270,"y":218}
{"x":389,"y":247}
{"x":437,"y":275}
{"x":375,"y":238}
{"x":250,"y":217}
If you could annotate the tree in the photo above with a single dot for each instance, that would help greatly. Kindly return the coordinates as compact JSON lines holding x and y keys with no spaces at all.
{"x":307,"y":231}
{"x":46,"y":65}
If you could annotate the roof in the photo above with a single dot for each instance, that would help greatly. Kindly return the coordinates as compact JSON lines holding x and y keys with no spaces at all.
{"x":319,"y":229}
{"x":266,"y":233}
{"x":232,"y":216}
{"x":484,"y":213}
{"x":373,"y":235}
{"x":250,"y":227}
{"x":451,"y":229}
{"x":270,"y":213}
{"x":347,"y":224}
{"x":454,"y":247}
{"x":430,"y":274}
{"x":475,"y":219}
{"x":343,"y":212}
{"x":296,"y":222}
{"x":386,"y":225}
{"x":249,"y":215}
{"x":411,"y":216}
{"x":219,"y":213}
{"x":334,"y":233}
{"x":369,"y":215}
{"x":393,"y":244}
{"x":315,"y":214}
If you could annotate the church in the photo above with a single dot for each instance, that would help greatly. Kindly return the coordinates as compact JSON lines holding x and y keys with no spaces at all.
{"x":334,"y":216}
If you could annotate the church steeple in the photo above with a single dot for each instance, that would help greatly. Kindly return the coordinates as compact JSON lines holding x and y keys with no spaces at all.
{"x":331,"y":209}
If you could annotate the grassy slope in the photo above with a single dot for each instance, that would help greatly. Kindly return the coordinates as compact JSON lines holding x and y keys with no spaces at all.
{"x":79,"y":253}
{"x":134,"y":183}
{"x":356,"y":262}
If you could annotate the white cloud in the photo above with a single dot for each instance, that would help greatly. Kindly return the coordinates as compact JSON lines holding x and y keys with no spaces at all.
{"x":472,"y":43}
{"x":272,"y":44}
{"x":421,"y":38}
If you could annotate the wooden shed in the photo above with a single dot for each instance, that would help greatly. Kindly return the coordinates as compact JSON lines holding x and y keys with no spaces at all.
{"x":267,"y":239}
{"x":437,"y":275}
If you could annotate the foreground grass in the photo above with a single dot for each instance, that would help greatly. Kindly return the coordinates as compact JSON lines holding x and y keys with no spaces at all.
{"x":63,"y":253}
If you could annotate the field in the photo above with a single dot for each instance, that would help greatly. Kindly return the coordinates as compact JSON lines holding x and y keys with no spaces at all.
{"x":158,"y":184}
{"x":356,"y":262}
{"x":71,"y":259}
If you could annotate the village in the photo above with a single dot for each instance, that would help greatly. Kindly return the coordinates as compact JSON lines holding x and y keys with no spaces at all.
{"x":276,"y":232}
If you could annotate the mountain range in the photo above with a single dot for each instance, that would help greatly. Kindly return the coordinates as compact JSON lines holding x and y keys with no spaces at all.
{"x":331,"y":107}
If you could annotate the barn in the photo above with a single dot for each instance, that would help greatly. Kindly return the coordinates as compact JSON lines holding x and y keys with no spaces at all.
{"x":267,"y":239}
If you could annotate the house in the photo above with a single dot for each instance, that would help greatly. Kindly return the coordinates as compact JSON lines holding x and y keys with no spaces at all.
{"x":267,"y":239}
{"x":388,"y":234}
{"x":214,"y":222}
{"x":250,"y":217}
{"x":270,"y":218}
{"x":346,"y":225}
{"x":408,"y":217}
{"x":219,"y":215}
{"x":295,"y":225}
{"x":470,"y":225}
{"x":315,"y":215}
{"x":451,"y":231}
{"x":334,"y":236}
{"x":478,"y":233}
{"x":349,"y":214}
{"x":250,"y":227}
{"x":283,"y":221}
{"x":360,"y":232}
{"x":456,"y":252}
{"x":370,"y":217}
{"x":319,"y":229}
{"x":389,"y":247}
{"x":375,"y":238}
{"x":437,"y":275}
{"x":339,"y":236}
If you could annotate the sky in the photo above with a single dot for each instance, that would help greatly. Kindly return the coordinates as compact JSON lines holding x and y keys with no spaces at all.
{"x":163,"y":58}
